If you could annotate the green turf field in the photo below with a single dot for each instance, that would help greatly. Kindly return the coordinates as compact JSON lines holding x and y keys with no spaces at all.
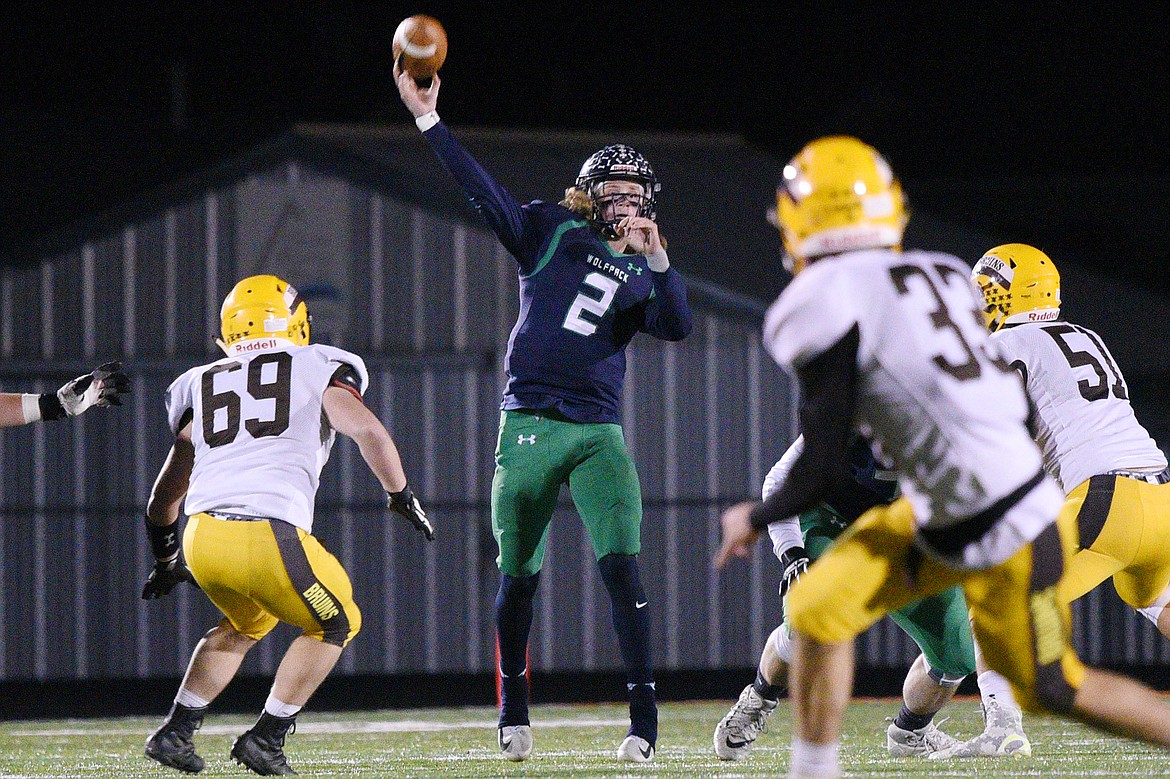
{"x":571,"y":741}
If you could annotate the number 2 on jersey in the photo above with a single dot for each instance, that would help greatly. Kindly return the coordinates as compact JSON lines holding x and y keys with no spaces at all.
{"x":278,"y":390}
{"x":597,"y":306}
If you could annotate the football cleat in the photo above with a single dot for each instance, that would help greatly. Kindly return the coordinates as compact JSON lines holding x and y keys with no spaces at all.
{"x":261,"y":749}
{"x":515,"y":742}
{"x":737,"y":731}
{"x":1002,"y":736}
{"x":635,"y":749}
{"x":922,"y":742}
{"x":172,"y":743}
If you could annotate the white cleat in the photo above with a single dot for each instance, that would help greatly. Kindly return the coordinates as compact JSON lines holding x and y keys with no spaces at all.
{"x":516,"y":742}
{"x":1002,"y":736}
{"x":737,"y":731}
{"x":635,"y":749}
{"x":922,"y":742}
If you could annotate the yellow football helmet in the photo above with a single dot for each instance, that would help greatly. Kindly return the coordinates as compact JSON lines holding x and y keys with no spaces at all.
{"x":837,"y":194}
{"x":1019,"y":284}
{"x":263,"y":307}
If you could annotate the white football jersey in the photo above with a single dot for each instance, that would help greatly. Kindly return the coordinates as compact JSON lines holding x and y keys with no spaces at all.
{"x":932,"y":394}
{"x":1084,"y":422}
{"x":259,"y":429}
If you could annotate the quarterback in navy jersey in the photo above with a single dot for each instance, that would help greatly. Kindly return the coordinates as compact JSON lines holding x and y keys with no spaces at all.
{"x":593,"y":273}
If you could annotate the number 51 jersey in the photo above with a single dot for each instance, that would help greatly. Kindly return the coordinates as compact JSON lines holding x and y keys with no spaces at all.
{"x":258,"y":426}
{"x":1083,"y":420}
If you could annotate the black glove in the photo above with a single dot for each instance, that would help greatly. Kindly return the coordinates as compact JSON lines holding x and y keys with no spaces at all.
{"x":405,"y":503}
{"x":101,"y":387}
{"x":794,"y":561}
{"x":164,"y":576}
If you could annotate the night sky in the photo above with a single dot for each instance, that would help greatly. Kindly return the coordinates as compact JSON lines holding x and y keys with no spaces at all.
{"x":100,"y":99}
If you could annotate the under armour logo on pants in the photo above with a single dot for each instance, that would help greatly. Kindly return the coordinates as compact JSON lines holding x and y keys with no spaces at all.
{"x":526,"y":439}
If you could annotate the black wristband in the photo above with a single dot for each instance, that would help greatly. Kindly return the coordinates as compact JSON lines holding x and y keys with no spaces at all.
{"x":51,"y":407}
{"x":164,"y":541}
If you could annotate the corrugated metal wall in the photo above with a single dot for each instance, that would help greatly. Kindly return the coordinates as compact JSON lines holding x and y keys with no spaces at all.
{"x":429,"y":304}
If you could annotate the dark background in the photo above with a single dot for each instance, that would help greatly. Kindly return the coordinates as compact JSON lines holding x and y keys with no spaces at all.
{"x":971,"y":103}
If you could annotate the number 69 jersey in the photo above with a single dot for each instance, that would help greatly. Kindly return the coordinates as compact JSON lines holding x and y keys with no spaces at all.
{"x":931,"y":392}
{"x":259,"y":430}
{"x":1083,"y":420}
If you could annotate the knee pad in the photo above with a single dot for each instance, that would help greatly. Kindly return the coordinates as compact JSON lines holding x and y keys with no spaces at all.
{"x":781,"y":642}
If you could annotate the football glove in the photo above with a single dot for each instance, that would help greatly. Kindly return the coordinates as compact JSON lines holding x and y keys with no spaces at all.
{"x":101,"y":387}
{"x":794,"y":561}
{"x":165,"y":576}
{"x":405,"y":503}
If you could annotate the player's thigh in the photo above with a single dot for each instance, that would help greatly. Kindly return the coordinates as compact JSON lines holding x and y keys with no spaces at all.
{"x":941,"y":627}
{"x":872,"y":569}
{"x":1103,"y":548}
{"x":301,"y":583}
{"x":605,"y":490}
{"x":1144,"y":511}
{"x":1022,"y":623}
{"x":530,"y":468}
{"x":218,"y":552}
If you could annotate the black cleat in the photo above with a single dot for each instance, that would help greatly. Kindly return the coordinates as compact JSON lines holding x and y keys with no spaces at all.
{"x":261,"y":749}
{"x":172,"y":743}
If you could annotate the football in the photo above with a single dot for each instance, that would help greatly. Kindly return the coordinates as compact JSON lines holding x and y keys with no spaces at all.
{"x":420,"y":46}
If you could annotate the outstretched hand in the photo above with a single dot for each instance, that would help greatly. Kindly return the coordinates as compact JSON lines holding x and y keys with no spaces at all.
{"x":101,"y":387}
{"x":738,"y":533}
{"x":418,"y":100}
{"x":405,"y":503}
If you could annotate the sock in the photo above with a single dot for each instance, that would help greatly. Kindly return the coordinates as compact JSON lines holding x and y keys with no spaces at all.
{"x":993,"y":686}
{"x":513,"y":623}
{"x":631,"y":623}
{"x":908,"y":720}
{"x":279,"y":708}
{"x":190,"y":700}
{"x":814,"y":759}
{"x":766,"y":690}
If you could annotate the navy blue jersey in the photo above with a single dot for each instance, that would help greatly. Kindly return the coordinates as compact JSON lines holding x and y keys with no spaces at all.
{"x":580,"y":304}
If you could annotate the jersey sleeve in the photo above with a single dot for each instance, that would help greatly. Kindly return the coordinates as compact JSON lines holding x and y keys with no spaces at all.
{"x":345,"y":368}
{"x":510,"y":221}
{"x":179,"y":401}
{"x":813,"y":313}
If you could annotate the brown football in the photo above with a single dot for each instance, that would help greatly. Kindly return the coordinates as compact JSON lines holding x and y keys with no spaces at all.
{"x":420,"y":45}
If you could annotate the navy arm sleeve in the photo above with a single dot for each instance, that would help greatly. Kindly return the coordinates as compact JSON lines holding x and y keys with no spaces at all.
{"x":667,"y":314}
{"x":502,"y":212}
{"x":828,"y":388}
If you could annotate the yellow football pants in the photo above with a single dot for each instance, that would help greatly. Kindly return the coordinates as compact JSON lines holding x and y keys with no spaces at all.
{"x":1020,"y":622}
{"x":261,"y":572}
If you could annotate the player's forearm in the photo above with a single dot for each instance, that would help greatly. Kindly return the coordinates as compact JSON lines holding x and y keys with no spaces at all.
{"x":11,"y":409}
{"x":381,"y":455}
{"x":668,"y":316}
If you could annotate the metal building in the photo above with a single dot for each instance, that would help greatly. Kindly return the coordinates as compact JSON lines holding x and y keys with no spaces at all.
{"x":398,"y":269}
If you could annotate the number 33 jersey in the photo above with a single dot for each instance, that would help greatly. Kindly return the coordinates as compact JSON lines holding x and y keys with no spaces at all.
{"x":931,"y":391}
{"x":1082,"y":420}
{"x":259,"y":429}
